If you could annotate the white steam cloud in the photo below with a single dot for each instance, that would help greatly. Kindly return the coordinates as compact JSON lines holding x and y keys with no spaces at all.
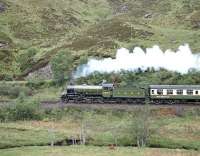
{"x":181,"y":61}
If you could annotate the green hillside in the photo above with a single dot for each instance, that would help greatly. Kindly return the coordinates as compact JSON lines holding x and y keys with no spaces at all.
{"x":32,"y":31}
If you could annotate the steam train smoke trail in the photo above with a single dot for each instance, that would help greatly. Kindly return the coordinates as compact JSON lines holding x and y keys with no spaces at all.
{"x":180,"y":61}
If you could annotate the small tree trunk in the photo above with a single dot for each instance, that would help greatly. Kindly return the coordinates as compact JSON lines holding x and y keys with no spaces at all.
{"x":83,"y":135}
{"x":52,"y":143}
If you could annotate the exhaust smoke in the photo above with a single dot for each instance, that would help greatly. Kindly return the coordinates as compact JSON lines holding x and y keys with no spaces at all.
{"x":180,"y":61}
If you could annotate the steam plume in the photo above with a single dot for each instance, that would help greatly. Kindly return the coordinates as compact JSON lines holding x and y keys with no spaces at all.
{"x":181,"y":61}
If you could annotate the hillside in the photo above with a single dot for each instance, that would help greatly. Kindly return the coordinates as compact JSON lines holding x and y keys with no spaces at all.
{"x":31,"y":32}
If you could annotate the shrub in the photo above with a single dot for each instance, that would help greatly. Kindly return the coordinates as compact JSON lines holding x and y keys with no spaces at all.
{"x":193,"y":112}
{"x":35,"y":84}
{"x":61,"y":64}
{"x":139,"y":77}
{"x":21,"y":109}
{"x":26,"y":58}
{"x":55,"y":114}
{"x":13,"y":91}
{"x":27,"y":110}
{"x":3,"y":114}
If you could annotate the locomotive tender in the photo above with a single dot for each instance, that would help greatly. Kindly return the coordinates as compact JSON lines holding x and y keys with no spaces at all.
{"x":108,"y":93}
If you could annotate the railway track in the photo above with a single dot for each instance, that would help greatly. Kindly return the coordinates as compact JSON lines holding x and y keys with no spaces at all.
{"x":59,"y":104}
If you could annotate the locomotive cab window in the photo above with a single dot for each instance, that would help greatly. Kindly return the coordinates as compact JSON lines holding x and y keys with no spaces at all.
{"x":189,"y":92}
{"x":70,"y":91}
{"x":169,"y":92}
{"x":196,"y":92}
{"x":107,"y":88}
{"x":160,"y":91}
{"x":179,"y":92}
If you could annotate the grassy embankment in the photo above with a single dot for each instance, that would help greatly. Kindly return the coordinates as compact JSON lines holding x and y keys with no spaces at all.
{"x":94,"y":151}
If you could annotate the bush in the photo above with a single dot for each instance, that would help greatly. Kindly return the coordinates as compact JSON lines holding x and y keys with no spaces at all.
{"x":55,"y":114}
{"x":40,"y":84}
{"x":3,"y":114}
{"x":27,"y":110}
{"x":13,"y":91}
{"x":61,"y":65}
{"x":21,"y":109}
{"x":26,"y":58}
{"x":193,"y":112}
{"x":139,"y":77}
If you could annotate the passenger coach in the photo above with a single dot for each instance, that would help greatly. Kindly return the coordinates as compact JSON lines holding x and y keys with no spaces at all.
{"x":179,"y":92}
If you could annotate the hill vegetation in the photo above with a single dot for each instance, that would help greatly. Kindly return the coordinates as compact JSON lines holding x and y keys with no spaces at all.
{"x":31,"y":32}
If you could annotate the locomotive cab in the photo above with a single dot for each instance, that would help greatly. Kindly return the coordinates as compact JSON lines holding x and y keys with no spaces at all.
{"x":68,"y":94}
{"x":108,"y":89}
{"x":70,"y":91}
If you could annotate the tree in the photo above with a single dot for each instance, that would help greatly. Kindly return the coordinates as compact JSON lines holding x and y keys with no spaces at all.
{"x":142,"y":127}
{"x":61,"y":64}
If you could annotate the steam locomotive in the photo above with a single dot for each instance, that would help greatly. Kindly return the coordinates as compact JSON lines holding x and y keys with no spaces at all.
{"x":108,"y":93}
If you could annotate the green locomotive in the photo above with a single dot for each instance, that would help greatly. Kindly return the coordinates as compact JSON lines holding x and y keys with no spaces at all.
{"x":108,"y":93}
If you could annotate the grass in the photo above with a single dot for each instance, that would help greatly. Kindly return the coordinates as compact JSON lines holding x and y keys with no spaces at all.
{"x":47,"y":94}
{"x":179,"y":132}
{"x":16,"y":137}
{"x":40,"y":90}
{"x":103,"y":127}
{"x":94,"y":151}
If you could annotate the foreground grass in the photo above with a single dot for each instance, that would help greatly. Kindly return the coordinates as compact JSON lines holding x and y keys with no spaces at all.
{"x":94,"y":151}
{"x":102,"y":127}
{"x":15,"y":136}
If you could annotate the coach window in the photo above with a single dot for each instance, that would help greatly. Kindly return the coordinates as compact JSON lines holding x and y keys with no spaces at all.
{"x":169,"y":92}
{"x":189,"y":92}
{"x":179,"y":92}
{"x":196,"y":92}
{"x":160,"y":92}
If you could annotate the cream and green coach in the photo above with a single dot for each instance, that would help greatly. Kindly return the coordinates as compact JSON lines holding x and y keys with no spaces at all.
{"x":179,"y":92}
